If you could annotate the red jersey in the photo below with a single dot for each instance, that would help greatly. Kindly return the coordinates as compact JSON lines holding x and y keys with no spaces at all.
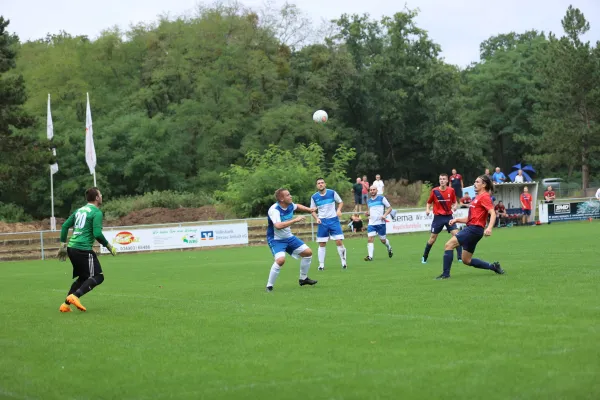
{"x":549,"y":194}
{"x":442,"y":200}
{"x":500,"y":208}
{"x":478,"y":210}
{"x":526,"y":200}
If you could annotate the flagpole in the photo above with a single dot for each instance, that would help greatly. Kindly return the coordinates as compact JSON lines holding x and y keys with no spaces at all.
{"x":95,"y":179}
{"x":52,"y":219}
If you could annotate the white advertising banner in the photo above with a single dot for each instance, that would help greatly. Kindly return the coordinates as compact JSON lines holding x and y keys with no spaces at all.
{"x":184,"y":237}
{"x":417,"y":221}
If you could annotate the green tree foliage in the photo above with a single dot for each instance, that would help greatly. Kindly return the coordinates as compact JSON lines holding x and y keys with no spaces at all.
{"x":251,"y":187}
{"x":569,"y":109}
{"x":184,"y":104}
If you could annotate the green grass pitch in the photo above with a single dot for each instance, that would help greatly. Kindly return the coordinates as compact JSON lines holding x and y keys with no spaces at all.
{"x":199,"y":325}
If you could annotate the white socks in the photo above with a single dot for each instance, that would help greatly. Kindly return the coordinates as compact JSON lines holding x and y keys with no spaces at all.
{"x":387,"y":244}
{"x":273,"y":274}
{"x":304,"y":266}
{"x":342,"y":252}
{"x":321,"y":253}
{"x":370,"y":247}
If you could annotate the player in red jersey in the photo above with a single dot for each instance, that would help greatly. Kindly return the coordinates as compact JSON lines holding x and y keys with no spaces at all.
{"x":443,"y":199}
{"x":479,"y":209}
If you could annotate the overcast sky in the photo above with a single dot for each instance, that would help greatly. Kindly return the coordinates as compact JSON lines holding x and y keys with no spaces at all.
{"x":459,"y":26}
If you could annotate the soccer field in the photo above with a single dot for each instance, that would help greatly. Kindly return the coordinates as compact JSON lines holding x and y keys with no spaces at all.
{"x":192,"y":325}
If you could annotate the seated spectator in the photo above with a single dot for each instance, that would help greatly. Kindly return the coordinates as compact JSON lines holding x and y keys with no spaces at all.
{"x":549,"y":195}
{"x":465,"y":201}
{"x":498,"y":176}
{"x":501,"y":212}
{"x":356,"y":224}
{"x":519,"y":177}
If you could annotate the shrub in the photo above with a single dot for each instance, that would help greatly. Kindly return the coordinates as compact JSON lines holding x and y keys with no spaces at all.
{"x":121,"y":206}
{"x":10,"y":212}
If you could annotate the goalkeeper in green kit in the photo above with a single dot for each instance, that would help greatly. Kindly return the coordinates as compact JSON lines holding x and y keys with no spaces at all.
{"x":87,"y":228}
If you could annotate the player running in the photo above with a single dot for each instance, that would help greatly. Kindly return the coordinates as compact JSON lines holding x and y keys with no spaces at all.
{"x":379,"y":209}
{"x":328,"y":220}
{"x":444,"y":203}
{"x":281,"y":240}
{"x":479,"y":209}
{"x":87,"y":228}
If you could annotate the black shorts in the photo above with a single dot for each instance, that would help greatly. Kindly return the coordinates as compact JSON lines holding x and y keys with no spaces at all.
{"x":85,"y":263}
{"x":357,"y":198}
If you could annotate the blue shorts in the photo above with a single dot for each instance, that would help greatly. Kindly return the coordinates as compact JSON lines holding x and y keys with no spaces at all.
{"x":469,"y":237}
{"x":373,"y":230}
{"x":329,"y":227}
{"x":526,"y":212}
{"x":365,"y":198}
{"x":439,"y":221}
{"x":292,"y":245}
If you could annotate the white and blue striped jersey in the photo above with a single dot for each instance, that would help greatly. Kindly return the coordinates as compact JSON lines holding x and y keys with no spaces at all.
{"x":325,"y":203}
{"x":278,"y":214}
{"x":377,"y":208}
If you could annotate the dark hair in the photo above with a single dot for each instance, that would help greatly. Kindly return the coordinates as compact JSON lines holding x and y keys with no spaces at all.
{"x":444,"y":174}
{"x":320,"y":179}
{"x":278,"y":192}
{"x":92,"y":193}
{"x":487,"y":182}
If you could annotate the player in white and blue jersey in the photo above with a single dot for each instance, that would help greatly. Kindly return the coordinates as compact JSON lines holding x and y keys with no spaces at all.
{"x":328,"y":219}
{"x":281,"y":240}
{"x":379,"y":209}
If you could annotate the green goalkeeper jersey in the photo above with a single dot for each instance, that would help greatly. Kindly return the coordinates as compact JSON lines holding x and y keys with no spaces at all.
{"x":87,"y":228}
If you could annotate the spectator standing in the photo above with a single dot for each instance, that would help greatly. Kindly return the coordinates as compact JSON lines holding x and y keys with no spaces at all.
{"x":357,"y":190}
{"x":379,"y":184}
{"x":498,"y":176}
{"x":456,"y":183}
{"x":549,"y":195}
{"x":519,"y":177}
{"x":365,"y":189}
{"x":526,"y":204}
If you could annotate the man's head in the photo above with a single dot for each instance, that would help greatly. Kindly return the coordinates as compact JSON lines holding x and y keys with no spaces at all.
{"x":549,"y":188}
{"x":358,"y":180}
{"x":497,"y":169}
{"x":443,"y":180}
{"x":378,"y":177}
{"x":364,"y":178}
{"x":93,"y":195}
{"x":500,"y":203}
{"x":453,"y":171}
{"x":373,"y":191}
{"x":283,"y":196}
{"x":520,"y":172}
{"x":487,"y":171}
{"x":483,"y":183}
{"x":467,"y":195}
{"x":321,"y":186}
{"x":525,"y":189}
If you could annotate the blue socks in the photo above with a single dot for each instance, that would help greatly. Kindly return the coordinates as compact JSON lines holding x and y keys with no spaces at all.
{"x":477,"y":263}
{"x":427,"y":249}
{"x":447,"y":262}
{"x":459,"y":253}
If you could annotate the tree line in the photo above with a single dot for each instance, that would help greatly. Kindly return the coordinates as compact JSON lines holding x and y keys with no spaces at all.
{"x":185,"y":104}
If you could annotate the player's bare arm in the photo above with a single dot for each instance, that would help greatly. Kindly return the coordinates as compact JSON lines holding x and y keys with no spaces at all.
{"x":488,"y":230}
{"x":283,"y":225}
{"x":339,"y":209}
{"x":305,"y":209}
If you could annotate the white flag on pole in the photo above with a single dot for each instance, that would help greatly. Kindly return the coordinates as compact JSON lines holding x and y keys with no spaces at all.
{"x":90,"y":151}
{"x":50,"y":135}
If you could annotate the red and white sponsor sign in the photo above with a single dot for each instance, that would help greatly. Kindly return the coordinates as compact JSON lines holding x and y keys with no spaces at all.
{"x":417,"y":221}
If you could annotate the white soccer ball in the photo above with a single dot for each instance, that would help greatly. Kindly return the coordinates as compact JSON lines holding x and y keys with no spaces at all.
{"x":320,"y":116}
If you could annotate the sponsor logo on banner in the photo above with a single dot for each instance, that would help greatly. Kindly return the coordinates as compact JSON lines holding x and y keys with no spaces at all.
{"x":177,"y":237}
{"x":207,"y":235}
{"x":562,"y":208}
{"x":416,"y":221}
{"x":124,"y":238}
